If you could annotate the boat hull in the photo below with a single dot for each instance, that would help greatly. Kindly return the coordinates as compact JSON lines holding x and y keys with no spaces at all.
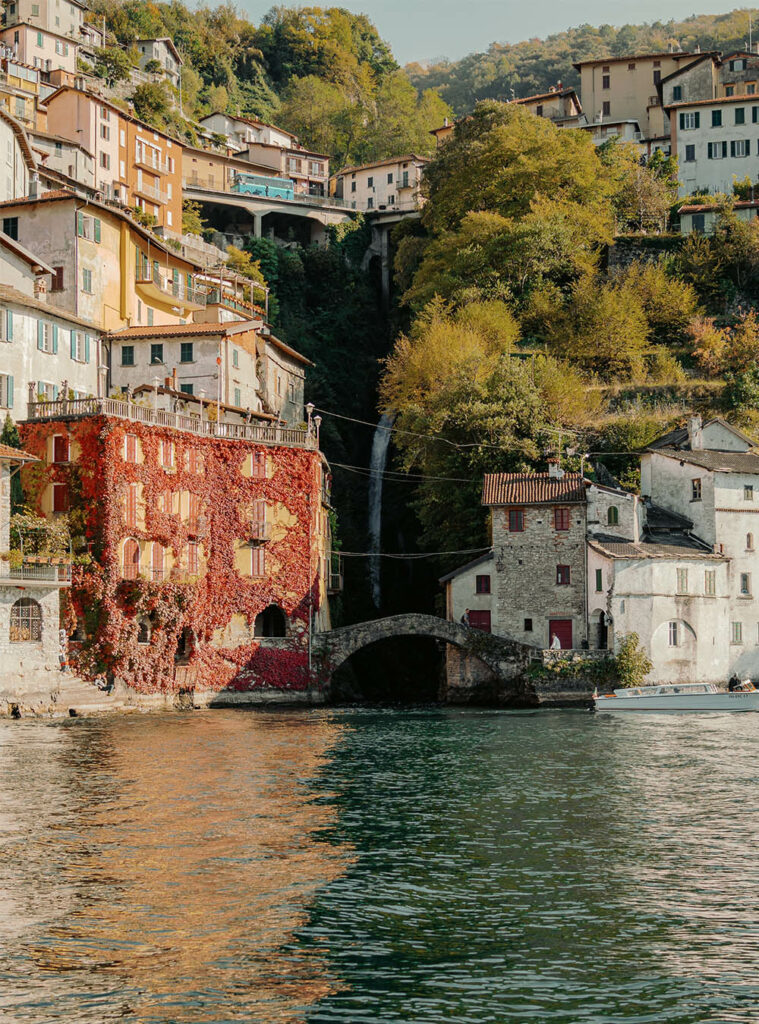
{"x":736,"y":701}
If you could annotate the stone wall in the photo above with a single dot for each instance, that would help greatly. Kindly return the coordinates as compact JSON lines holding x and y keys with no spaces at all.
{"x":627,"y":249}
{"x":29,"y":666}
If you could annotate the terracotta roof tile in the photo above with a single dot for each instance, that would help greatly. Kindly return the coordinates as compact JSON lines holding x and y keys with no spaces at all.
{"x":15,"y":454}
{"x":176,"y":330}
{"x":532,"y":489}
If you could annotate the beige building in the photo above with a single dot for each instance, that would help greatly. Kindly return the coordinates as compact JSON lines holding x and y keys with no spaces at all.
{"x":627,"y":88}
{"x":383,"y":185}
{"x":40,"y":48}
{"x":69,"y":158}
{"x":559,"y":105}
{"x":17,"y":162}
{"x":165,"y":52}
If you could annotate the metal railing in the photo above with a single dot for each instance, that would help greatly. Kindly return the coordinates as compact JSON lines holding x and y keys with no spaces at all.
{"x":152,"y":193}
{"x":259,"y":433}
{"x":299,"y":198}
{"x":172,"y":289}
{"x":157,"y":165}
{"x":42,"y":573}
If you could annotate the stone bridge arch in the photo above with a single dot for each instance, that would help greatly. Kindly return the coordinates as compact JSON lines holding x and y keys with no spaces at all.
{"x":508,"y":659}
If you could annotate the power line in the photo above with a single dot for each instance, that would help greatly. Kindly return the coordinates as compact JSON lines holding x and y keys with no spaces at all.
{"x":412,"y":556}
{"x":396,"y":476}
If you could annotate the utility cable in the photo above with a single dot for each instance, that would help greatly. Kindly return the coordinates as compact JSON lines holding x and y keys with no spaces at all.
{"x":410,"y":556}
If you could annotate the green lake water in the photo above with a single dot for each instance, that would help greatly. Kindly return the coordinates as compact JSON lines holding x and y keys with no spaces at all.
{"x":380,"y":866}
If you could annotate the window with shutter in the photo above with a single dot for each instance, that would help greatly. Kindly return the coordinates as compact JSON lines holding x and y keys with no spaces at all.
{"x":60,"y":497}
{"x":60,"y":448}
{"x":131,"y":506}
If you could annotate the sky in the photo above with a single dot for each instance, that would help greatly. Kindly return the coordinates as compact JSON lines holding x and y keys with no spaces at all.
{"x":424,"y":30}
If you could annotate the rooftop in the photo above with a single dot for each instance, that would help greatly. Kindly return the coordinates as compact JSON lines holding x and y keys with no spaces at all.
{"x":532,"y":489}
{"x":716,"y":462}
{"x":8,"y":454}
{"x":9,"y":294}
{"x":630,"y":58}
{"x":682,"y":547}
{"x":469,"y":565}
{"x":183,"y":330}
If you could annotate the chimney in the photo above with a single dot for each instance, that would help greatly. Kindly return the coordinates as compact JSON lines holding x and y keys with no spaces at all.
{"x":174,"y":381}
{"x":33,"y":185}
{"x":555,"y":472}
{"x":695,"y":433}
{"x":167,"y":382}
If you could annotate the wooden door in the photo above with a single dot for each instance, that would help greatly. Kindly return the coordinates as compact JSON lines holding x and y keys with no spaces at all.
{"x":561,"y":628}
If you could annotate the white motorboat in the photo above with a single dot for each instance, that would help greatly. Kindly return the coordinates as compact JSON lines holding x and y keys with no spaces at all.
{"x":679,"y":697}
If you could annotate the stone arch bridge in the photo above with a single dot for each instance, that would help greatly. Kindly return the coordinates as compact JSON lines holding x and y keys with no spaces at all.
{"x":505,"y":661}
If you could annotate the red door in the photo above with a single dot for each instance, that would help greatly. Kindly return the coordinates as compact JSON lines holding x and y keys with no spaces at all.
{"x":561,"y":628}
{"x":480,"y":620}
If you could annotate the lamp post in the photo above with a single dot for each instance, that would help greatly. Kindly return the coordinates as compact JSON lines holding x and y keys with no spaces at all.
{"x":201,"y":395}
{"x":309,"y":412}
{"x":317,"y":424}
{"x":156,"y":382}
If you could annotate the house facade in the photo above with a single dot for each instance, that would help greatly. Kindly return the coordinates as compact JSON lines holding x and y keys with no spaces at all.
{"x":165,"y":52}
{"x":716,"y":141}
{"x":382,"y":185}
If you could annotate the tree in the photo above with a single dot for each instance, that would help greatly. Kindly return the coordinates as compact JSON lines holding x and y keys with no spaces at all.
{"x":154,"y":67}
{"x":112,"y":64}
{"x":11,"y":437}
{"x":643,"y":194}
{"x":152,"y":103}
{"x":192,"y":222}
{"x":631,"y":662}
{"x":670,"y":304}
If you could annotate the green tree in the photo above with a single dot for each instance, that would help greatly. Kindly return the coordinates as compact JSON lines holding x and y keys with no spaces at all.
{"x":11,"y":437}
{"x":112,"y":64}
{"x":192,"y":222}
{"x":631,"y":662}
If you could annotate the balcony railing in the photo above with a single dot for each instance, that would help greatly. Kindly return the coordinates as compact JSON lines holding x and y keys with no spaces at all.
{"x":157,"y":165}
{"x":300,"y":198}
{"x":30,"y":573}
{"x":260,"y":530}
{"x":152,"y":193}
{"x":177,"y":290}
{"x":259,"y":433}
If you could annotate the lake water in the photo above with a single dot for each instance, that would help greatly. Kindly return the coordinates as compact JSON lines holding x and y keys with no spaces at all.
{"x":380,"y":866}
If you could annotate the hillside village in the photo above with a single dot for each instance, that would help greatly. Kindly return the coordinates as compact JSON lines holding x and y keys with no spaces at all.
{"x":167,"y":520}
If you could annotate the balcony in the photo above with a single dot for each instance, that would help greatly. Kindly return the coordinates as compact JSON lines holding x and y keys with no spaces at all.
{"x":151,"y":192}
{"x":42,"y":574}
{"x":260,"y":531}
{"x":156,"y":165}
{"x":154,"y":288}
{"x":335,"y":575}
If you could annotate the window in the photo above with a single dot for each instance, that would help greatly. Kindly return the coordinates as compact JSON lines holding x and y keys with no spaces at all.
{"x":185,"y":352}
{"x":755,"y":114}
{"x":740,"y":147}
{"x":738,"y":65}
{"x":748,"y":492}
{"x":516,"y":520}
{"x":238,"y":398}
{"x":57,"y":280}
{"x":60,"y":497}
{"x":167,"y":454}
{"x":258,"y":465}
{"x":26,"y":621}
{"x":47,"y":336}
{"x":390,"y":178}
{"x":105,"y":131}
{"x":39,"y":39}
{"x":657,"y":77}
{"x":353,"y":186}
{"x":143,"y":631}
{"x":10,"y":227}
{"x":561,"y":518}
{"x":6,"y":391}
{"x":689,"y":121}
{"x":690,"y":154}
{"x":6,"y":325}
{"x":730,"y":90}
{"x":60,"y":448}
{"x":88,"y":227}
{"x":193,"y":514}
{"x":187,"y":389}
{"x":749,"y":542}
{"x":740,"y":115}
{"x":630,"y":67}
{"x":528,"y":625}
{"x":677,"y":93}
{"x":130,"y":448}
{"x":710,"y":582}
{"x":131,"y":506}
{"x":370,"y":182}
{"x":127,"y":355}
{"x":751,"y":89}
{"x":370,"y":203}
{"x":480,"y":620}
{"x":682,"y":581}
{"x":599,"y":580}
{"x":156,"y":353}
{"x":482,"y":584}
{"x":157,"y":563}
{"x":716,"y":119}
{"x":539,"y":110}
{"x":695,"y":489}
{"x":606,"y":81}
{"x":736,"y":632}
{"x":606,"y":109}
{"x":716,"y":150}
{"x":698,"y":223}
{"x":562,"y":575}
{"x":192,"y":558}
{"x":87,"y":281}
{"x":257,"y":561}
{"x":612,"y":516}
{"x":745,"y":584}
{"x":674,"y":634}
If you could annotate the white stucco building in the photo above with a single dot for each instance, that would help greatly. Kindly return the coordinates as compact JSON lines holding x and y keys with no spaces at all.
{"x":383,"y":185}
{"x":165,"y":52}
{"x":715,"y":142}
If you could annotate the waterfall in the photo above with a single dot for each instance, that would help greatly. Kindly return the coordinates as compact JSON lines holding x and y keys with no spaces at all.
{"x":377,"y":462}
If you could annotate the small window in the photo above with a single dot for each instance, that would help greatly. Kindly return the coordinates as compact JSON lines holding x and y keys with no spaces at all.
{"x":57,"y":280}
{"x":143,"y":631}
{"x":690,"y":154}
{"x":740,"y":115}
{"x":606,"y":81}
{"x":748,"y":492}
{"x":187,"y":389}
{"x":131,"y":506}
{"x":482,"y":585}
{"x":186,"y":352}
{"x":736,"y":632}
{"x":235,"y":358}
{"x":258,"y":465}
{"x":127,"y":355}
{"x":612,"y":516}
{"x":561,"y":518}
{"x":682,"y":581}
{"x":674,"y":634}
{"x":749,"y":542}
{"x":606,"y":109}
{"x":630,"y":67}
{"x":599,"y":580}
{"x":745,"y":584}
{"x":167,"y":454}
{"x":238,"y":398}
{"x":370,"y":182}
{"x":710,"y":583}
{"x":528,"y":625}
{"x":87,"y":281}
{"x":716,"y":119}
{"x":26,"y":621}
{"x":61,"y":448}
{"x":695,"y":484}
{"x":516,"y":520}
{"x":677,"y":93}
{"x":156,"y":353}
{"x":730,"y":90}
{"x":390,"y":178}
{"x":562,"y":575}
{"x":10,"y":227}
{"x":130,"y":448}
{"x":192,"y":558}
{"x":60,"y":497}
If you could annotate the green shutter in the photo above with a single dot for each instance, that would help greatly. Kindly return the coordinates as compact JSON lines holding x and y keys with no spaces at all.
{"x":40,"y":336}
{"x":55,"y":392}
{"x":9,"y":334}
{"x":9,"y":390}
{"x":755,"y":114}
{"x":72,"y":335}
{"x":698,"y":119}
{"x":80,"y":224}
{"x":709,"y":151}
{"x":86,"y":348}
{"x":724,"y":150}
{"x":97,"y":230}
{"x":55,"y":338}
{"x":682,"y":122}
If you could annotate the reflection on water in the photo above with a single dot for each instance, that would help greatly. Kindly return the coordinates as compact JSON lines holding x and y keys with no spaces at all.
{"x":380,"y":866}
{"x":155,"y":868}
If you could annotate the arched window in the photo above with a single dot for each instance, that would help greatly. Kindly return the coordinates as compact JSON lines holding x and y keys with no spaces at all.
{"x":749,"y":542}
{"x":271,"y":622}
{"x":131,"y":559}
{"x":143,"y":631}
{"x":26,"y":621}
{"x":157,"y":563}
{"x":612,"y":516}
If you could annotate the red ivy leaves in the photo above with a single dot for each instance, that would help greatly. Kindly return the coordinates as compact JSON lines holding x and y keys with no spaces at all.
{"x":111,"y":607}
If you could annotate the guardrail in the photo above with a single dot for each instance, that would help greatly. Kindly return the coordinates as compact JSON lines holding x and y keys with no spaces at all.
{"x":40,"y":573}
{"x":259,"y":433}
{"x":171,"y":289}
{"x":299,"y":199}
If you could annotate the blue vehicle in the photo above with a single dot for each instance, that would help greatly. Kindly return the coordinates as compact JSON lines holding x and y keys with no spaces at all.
{"x":258,"y":185}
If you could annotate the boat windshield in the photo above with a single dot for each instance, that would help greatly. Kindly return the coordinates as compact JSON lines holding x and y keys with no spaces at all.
{"x":666,"y":691}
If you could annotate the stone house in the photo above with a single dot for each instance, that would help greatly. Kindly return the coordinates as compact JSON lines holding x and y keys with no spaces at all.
{"x":469,"y":593}
{"x":165,"y":52}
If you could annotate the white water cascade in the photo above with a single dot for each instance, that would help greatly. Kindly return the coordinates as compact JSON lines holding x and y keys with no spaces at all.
{"x":377,"y":462}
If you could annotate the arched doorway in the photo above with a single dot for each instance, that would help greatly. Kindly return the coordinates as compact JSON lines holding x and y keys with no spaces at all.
{"x":26,"y":621}
{"x":599,"y":629}
{"x":185,"y":646}
{"x":271,"y":622}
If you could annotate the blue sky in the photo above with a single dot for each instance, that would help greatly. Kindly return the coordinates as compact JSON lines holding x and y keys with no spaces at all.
{"x":428,"y":29}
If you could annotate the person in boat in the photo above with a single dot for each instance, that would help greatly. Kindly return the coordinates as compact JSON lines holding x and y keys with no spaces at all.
{"x":734,"y":683}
